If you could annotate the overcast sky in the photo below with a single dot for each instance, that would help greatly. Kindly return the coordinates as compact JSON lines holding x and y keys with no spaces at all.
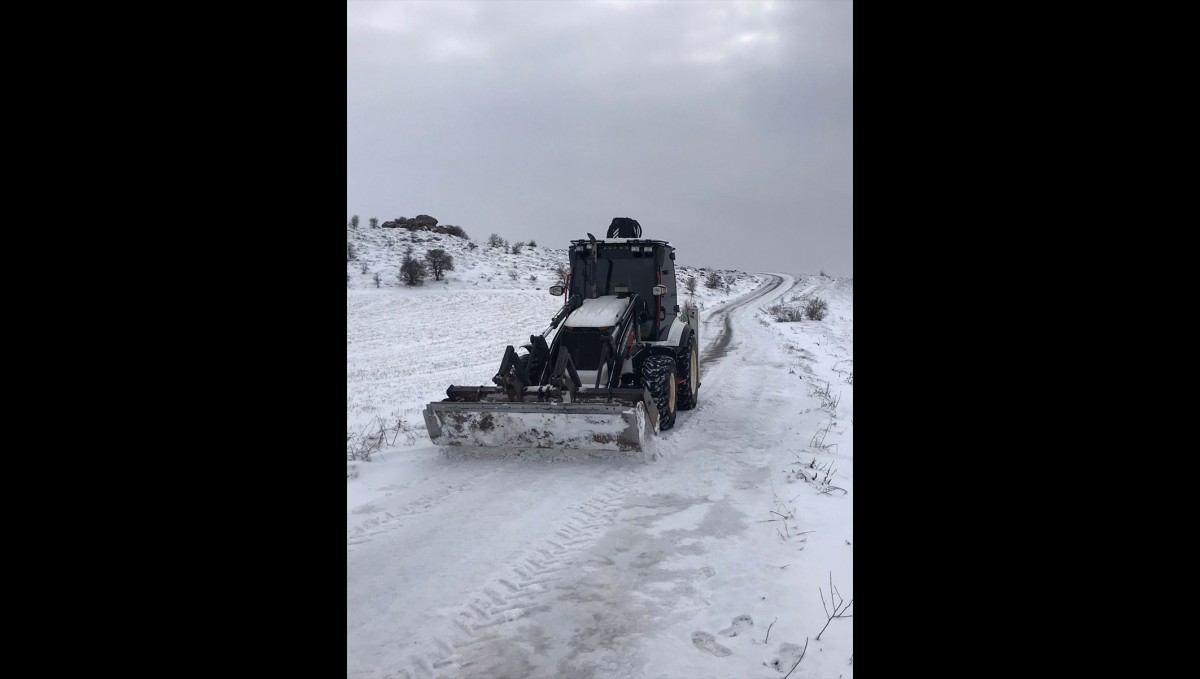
{"x":723,"y":127}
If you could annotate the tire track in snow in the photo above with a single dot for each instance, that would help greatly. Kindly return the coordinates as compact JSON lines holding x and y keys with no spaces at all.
{"x":395,"y":518}
{"x":719,"y":347}
{"x":522,"y":590}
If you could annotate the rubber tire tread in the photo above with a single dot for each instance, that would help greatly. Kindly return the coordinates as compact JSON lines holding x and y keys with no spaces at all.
{"x":658,"y":371}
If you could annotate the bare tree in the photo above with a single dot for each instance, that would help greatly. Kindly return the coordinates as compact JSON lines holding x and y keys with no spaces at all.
{"x":374,"y":222}
{"x":691,"y":284}
{"x":439,"y":261}
{"x":354,"y":222}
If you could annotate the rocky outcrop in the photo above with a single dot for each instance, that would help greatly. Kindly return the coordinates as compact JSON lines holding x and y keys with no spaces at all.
{"x":424,"y":223}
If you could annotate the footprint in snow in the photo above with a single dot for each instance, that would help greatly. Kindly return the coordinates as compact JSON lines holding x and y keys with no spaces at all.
{"x":705,"y":642}
{"x":789,"y":654}
{"x":741,"y":624}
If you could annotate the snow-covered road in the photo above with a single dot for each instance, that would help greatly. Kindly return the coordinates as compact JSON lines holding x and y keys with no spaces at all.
{"x":668,"y":568}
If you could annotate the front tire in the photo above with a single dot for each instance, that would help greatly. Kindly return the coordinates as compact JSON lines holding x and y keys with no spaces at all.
{"x":689,"y":367}
{"x":658,"y":376}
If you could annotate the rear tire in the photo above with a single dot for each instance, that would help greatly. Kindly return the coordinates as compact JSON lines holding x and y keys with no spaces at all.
{"x":689,"y":368}
{"x":658,"y":376}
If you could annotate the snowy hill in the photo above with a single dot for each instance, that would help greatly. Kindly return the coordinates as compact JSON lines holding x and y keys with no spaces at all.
{"x":741,"y":521}
{"x":381,"y":250}
{"x":488,"y":286}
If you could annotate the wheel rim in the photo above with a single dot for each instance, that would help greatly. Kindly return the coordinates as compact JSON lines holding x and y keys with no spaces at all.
{"x":671,"y":395}
{"x":694,"y":376}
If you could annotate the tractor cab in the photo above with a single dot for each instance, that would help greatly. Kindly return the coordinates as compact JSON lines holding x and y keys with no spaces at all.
{"x":625,"y":267}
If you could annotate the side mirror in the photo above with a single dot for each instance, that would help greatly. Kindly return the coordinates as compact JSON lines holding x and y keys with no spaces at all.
{"x":556,"y":290}
{"x":659,"y":290}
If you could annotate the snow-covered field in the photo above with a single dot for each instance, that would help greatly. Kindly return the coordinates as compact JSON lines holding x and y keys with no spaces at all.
{"x":672,"y":567}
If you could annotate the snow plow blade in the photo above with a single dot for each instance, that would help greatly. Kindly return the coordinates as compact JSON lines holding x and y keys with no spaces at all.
{"x":599,"y":419}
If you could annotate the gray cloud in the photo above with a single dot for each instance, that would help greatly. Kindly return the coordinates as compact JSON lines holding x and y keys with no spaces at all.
{"x":724,"y":127}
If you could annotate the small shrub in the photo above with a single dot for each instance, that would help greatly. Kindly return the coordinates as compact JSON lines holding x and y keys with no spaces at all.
{"x":533,"y":244}
{"x":815,"y":309}
{"x":785,"y":314}
{"x":533,"y":278}
{"x":374,"y":222}
{"x":516,"y":247}
{"x":363,"y":268}
{"x":472,"y":246}
{"x":560,"y":273}
{"x":691,"y":284}
{"x":349,"y":251}
{"x":496,"y":241}
{"x":513,"y":275}
{"x":412,"y":271}
{"x":457,"y":231}
{"x":375,"y":436}
{"x":376,"y":279}
{"x":713,"y":282}
{"x":354,"y":222}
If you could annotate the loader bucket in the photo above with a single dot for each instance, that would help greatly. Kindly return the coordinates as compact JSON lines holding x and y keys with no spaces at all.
{"x":594,"y":426}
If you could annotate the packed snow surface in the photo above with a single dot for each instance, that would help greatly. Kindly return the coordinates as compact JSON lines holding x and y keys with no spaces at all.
{"x":674,"y":563}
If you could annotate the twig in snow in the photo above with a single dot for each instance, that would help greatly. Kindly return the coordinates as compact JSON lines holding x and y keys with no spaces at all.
{"x":837,"y":604}
{"x":770,"y":626}
{"x":798,"y":659}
